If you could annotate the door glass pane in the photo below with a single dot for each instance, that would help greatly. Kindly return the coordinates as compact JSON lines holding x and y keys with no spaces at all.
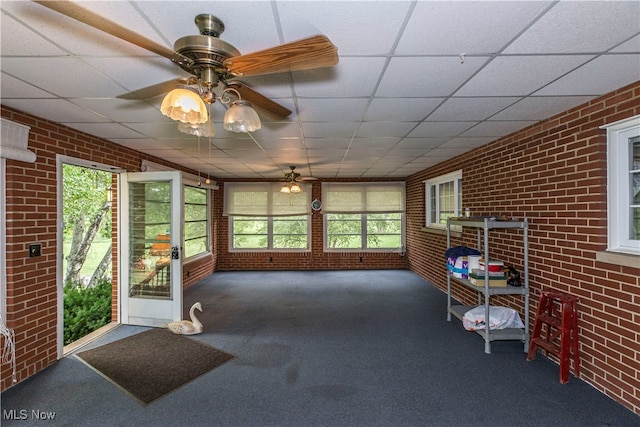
{"x":149,"y":243}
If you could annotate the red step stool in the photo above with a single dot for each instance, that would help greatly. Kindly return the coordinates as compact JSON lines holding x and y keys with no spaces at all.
{"x":559,"y":311}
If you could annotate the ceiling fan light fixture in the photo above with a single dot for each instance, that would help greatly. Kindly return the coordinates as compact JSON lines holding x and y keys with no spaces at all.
{"x":184,"y":105}
{"x":295,"y":188}
{"x":241,"y":117}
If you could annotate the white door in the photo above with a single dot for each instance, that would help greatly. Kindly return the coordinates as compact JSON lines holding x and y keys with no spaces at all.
{"x":151,"y":249}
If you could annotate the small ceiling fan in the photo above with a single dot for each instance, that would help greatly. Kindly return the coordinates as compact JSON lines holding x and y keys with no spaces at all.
{"x":213,"y":61}
{"x":292,"y":179}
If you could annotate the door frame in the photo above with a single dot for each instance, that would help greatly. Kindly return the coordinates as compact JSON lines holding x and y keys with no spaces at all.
{"x":60,"y":161}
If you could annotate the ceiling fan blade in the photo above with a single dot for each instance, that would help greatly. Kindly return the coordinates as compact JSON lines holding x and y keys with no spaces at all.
{"x":153,"y":90}
{"x":312,"y":52}
{"x":259,"y":100}
{"x":74,"y":11}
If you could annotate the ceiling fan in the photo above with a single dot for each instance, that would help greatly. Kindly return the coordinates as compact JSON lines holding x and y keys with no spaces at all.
{"x":213,"y":61}
{"x":291,"y":179}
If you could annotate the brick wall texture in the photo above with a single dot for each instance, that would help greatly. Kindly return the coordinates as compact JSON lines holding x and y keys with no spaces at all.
{"x":553,"y":173}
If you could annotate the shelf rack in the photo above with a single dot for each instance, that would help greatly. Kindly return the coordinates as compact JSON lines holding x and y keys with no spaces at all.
{"x":483,"y":227}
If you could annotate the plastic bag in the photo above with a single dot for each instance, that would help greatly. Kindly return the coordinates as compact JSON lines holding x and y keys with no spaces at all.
{"x":499,"y":318}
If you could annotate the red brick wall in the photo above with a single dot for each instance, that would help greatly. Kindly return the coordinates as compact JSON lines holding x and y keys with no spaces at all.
{"x":316,"y":259}
{"x":555,"y":174}
{"x":31,"y":202}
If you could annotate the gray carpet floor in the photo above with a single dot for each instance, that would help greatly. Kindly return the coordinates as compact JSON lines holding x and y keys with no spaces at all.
{"x":328,"y":348}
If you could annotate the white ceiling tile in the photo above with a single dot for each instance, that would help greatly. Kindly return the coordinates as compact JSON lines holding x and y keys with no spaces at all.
{"x":121,"y":110}
{"x":326,"y":143}
{"x":57,"y":110}
{"x":15,"y":88}
{"x":65,"y":77}
{"x":471,"y":109}
{"x":331,"y":109}
{"x":104,"y":130}
{"x":382,"y":129}
{"x":512,"y":76}
{"x":453,"y":27}
{"x":401,"y":109}
{"x":580,"y":26}
{"x":19,"y":40}
{"x":352,"y":77}
{"x":426,"y":77}
{"x":496,"y":129}
{"x":351,"y":30}
{"x":421,"y":142}
{"x":376,"y":142}
{"x":440,"y":129}
{"x":336,"y":129}
{"x":630,"y":46}
{"x":540,"y":108}
{"x":582,"y":81}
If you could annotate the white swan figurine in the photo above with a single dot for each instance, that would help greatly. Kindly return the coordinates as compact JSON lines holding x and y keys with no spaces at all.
{"x":186,"y":327}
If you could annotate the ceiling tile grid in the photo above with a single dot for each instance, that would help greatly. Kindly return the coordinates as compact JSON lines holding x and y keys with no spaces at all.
{"x":417,"y":82}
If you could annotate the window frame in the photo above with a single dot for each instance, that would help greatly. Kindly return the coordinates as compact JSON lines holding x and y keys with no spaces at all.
{"x":365,"y":214}
{"x":270,"y":234}
{"x":208,"y":243}
{"x":269,"y":207}
{"x":619,"y":218}
{"x":435,"y":182}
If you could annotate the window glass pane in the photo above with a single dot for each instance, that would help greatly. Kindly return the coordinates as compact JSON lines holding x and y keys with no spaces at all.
{"x":384,"y":231}
{"x":195,"y":221}
{"x":250,"y":233}
{"x":290,"y":232}
{"x":195,"y":246}
{"x":433,"y":204}
{"x":446,"y":198}
{"x":344,"y":231}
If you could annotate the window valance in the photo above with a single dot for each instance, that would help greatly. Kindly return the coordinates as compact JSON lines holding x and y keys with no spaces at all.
{"x":365,"y":197}
{"x":264,"y":199}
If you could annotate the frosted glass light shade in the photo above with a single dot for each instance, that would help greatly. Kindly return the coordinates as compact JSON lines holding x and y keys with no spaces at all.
{"x":184,"y":105}
{"x":295,"y":188}
{"x":285,"y":189}
{"x":241,"y":117}
{"x":206,"y":129}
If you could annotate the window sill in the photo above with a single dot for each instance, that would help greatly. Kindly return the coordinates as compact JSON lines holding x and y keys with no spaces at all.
{"x":618,"y":258}
{"x":441,"y":231}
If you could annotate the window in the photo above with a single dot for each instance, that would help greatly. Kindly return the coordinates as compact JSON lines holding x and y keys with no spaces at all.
{"x":363,"y":216}
{"x":623,"y":189}
{"x":196,"y":221}
{"x":443,"y":199}
{"x":262,"y":218}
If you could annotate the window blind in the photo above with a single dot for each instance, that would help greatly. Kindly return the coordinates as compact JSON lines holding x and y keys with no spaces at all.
{"x":365,"y":197}
{"x":264,"y":199}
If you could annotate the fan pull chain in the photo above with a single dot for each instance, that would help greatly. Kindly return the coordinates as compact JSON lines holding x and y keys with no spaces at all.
{"x":9,"y":348}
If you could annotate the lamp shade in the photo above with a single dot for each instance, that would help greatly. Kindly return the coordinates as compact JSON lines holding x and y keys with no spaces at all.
{"x":285,"y":188}
{"x":241,"y":117}
{"x":205,"y":129}
{"x":184,"y":105}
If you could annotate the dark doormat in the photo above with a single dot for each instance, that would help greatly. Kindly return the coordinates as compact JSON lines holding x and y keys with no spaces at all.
{"x":153,"y":363}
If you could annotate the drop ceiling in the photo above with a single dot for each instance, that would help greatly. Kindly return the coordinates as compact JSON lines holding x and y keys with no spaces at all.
{"x":417,"y":83}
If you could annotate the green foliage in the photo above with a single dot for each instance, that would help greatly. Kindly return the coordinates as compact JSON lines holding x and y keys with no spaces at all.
{"x":85,"y":309}
{"x":85,"y":193}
